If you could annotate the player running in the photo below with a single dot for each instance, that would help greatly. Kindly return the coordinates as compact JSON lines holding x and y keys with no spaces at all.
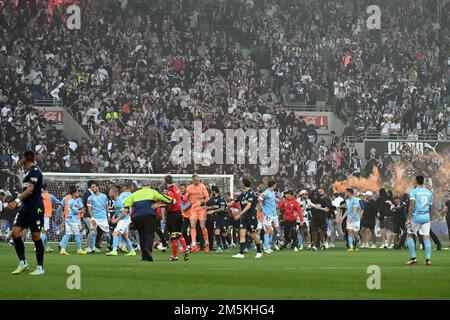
{"x":268,"y":202}
{"x":353,"y":219}
{"x":196,"y":193}
{"x":122,"y":220}
{"x":73,"y":223}
{"x":217,"y":205}
{"x":30,"y":215}
{"x":49,"y":199}
{"x":97,"y":204}
{"x":418,"y":219}
{"x":247,"y":219}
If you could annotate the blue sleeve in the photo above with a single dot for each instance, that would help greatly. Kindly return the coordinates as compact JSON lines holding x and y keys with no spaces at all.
{"x":80,"y":203}
{"x":185,"y":205}
{"x":412,"y":195}
{"x":54,"y":200}
{"x":119,"y":204}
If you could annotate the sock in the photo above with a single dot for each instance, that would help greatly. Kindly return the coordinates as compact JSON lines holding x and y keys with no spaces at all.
{"x":258,"y":247}
{"x":350,"y":241}
{"x":356,"y":240}
{"x":93,"y":236}
{"x":427,"y":244}
{"x":174,"y":243}
{"x":65,"y":241}
{"x":183,"y":242}
{"x":39,"y":252}
{"x":138,"y":239}
{"x":224,"y":241}
{"x":44,"y":239}
{"x":78,"y":241}
{"x":88,"y":239}
{"x":266,"y":241}
{"x":241,"y":247}
{"x":115,"y":243}
{"x":20,"y":248}
{"x":300,"y":239}
{"x":218,"y":241}
{"x":411,"y":247}
{"x":205,"y":235}
{"x":129,"y":245}
{"x":193,"y":237}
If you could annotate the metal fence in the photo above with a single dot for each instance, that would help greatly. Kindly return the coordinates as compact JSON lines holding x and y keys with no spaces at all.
{"x":360,"y":137}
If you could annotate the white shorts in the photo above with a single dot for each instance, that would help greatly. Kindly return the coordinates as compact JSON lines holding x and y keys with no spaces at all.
{"x":271,"y":222}
{"x":355,"y":225}
{"x":102,"y":223}
{"x":423,"y":228}
{"x":73,"y":228}
{"x":260,"y":225}
{"x":122,"y":226}
{"x":46,"y":223}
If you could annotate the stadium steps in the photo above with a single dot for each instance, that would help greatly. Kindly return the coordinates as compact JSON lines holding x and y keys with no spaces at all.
{"x":71,"y":128}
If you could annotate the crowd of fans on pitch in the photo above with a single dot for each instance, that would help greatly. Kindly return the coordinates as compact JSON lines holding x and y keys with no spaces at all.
{"x":137,"y":70}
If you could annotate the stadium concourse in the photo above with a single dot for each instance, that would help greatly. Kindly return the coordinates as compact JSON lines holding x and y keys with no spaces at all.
{"x":138,"y":70}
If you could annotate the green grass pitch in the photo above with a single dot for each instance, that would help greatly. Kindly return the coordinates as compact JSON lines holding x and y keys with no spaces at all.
{"x":335,"y":274}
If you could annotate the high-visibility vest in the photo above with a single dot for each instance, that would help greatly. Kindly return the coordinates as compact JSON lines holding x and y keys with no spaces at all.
{"x":47,"y":204}
{"x":66,"y":205}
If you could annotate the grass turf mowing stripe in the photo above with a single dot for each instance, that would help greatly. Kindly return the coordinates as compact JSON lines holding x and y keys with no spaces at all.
{"x":334,"y":274}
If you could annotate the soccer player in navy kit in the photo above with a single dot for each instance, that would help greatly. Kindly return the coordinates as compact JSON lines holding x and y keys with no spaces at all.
{"x":30,"y":215}
{"x":247,"y":219}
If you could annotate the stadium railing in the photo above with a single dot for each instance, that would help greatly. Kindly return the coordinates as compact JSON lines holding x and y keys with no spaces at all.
{"x":298,"y":107}
{"x":47,"y":103}
{"x":360,"y":137}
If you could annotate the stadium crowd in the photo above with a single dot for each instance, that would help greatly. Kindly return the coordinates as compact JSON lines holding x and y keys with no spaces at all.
{"x":138,"y":70}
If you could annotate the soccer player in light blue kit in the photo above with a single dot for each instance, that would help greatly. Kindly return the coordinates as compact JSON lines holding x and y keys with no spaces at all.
{"x":123,"y":220}
{"x":418,"y":219}
{"x":97,"y":204}
{"x":127,"y":191}
{"x":72,"y":223}
{"x":353,"y":219}
{"x":268,"y":203}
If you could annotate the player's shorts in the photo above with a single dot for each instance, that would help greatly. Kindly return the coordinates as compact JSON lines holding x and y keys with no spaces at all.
{"x":317,"y":225}
{"x":248,"y":223}
{"x":368,"y":223}
{"x":382,"y":226}
{"x":122,"y":226}
{"x":234,"y":223}
{"x":73,"y":228}
{"x":221,"y":222}
{"x":199,"y":215}
{"x":46,"y":223}
{"x":32,"y":219}
{"x":271,"y":222}
{"x":174,"y":222}
{"x":389,"y":223}
{"x":422,"y":228}
{"x":102,"y":224}
{"x":355,"y":225}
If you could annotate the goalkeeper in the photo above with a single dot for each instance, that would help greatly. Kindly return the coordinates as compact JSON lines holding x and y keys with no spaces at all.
{"x":144,"y":202}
